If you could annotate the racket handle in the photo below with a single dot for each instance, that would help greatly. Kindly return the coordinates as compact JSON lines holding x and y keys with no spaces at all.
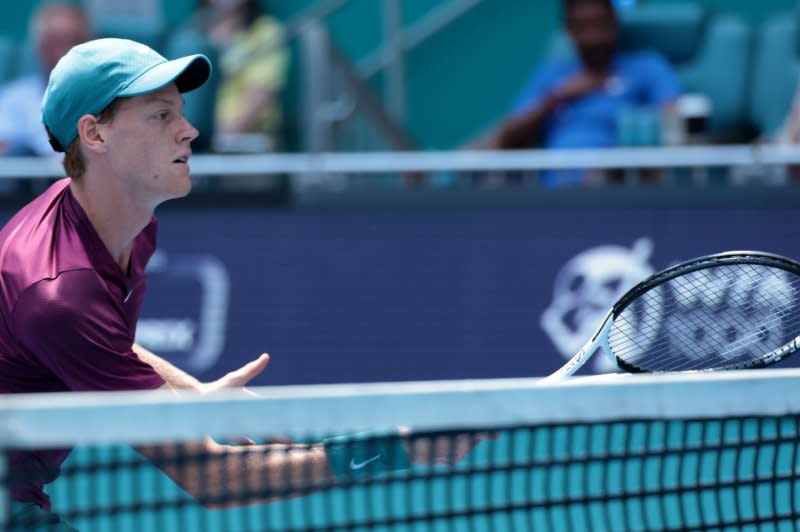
{"x":573,"y":364}
{"x":598,"y":340}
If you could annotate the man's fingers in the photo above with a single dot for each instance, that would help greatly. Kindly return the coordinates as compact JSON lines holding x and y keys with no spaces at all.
{"x":239,"y":441}
{"x":245,"y":374}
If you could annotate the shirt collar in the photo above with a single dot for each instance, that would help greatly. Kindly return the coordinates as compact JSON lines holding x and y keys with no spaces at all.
{"x":96,"y":250}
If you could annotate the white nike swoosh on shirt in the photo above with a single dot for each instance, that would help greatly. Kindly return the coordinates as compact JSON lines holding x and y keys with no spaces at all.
{"x":359,"y":465}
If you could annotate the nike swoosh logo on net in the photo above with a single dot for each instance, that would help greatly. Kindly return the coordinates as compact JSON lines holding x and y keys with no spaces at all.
{"x":359,"y":465}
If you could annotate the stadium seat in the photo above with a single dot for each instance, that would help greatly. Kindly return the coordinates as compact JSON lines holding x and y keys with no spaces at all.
{"x":775,"y":72}
{"x":200,"y":103}
{"x":141,"y":30}
{"x":8,"y":59}
{"x":710,"y":51}
{"x":28,"y":58}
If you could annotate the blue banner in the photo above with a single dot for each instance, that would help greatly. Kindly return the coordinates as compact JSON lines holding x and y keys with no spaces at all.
{"x":371,"y":295}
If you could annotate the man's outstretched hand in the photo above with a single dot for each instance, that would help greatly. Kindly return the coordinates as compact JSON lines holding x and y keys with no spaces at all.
{"x":239,"y":377}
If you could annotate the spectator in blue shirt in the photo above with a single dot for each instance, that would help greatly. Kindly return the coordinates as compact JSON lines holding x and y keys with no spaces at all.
{"x":575,"y":102}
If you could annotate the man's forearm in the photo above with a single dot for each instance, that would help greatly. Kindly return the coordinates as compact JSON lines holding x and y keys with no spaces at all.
{"x":222,"y":476}
{"x":525,"y":131}
{"x":175,"y":377}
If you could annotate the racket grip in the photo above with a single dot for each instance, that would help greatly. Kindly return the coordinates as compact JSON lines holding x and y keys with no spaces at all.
{"x":598,"y":340}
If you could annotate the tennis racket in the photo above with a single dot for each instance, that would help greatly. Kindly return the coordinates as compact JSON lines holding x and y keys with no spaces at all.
{"x":732,"y":310}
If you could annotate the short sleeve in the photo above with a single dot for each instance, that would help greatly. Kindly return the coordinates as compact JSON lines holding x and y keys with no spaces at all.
{"x":257,"y":57}
{"x":267,"y":69}
{"x":665,"y":87}
{"x":74,"y":328}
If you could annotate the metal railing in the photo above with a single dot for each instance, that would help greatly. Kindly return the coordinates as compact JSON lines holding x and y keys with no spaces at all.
{"x":741,"y":164}
{"x":341,"y":111}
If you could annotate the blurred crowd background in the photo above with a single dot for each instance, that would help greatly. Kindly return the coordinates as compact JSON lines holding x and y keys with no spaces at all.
{"x":363,"y":75}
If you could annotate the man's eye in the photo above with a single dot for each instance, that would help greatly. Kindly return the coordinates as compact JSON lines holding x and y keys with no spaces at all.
{"x":163,"y":116}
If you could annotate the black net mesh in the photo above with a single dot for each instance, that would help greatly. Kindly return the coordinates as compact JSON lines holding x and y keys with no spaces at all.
{"x":641,"y":474}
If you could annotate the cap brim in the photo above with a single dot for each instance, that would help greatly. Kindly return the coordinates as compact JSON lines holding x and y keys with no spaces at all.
{"x":188,"y":73}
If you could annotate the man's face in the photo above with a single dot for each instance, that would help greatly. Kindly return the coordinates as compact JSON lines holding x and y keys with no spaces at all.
{"x":60,"y":30}
{"x":593,"y":28}
{"x":147,"y":147}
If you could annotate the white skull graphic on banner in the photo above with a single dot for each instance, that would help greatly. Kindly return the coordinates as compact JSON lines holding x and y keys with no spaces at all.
{"x":586,"y":288}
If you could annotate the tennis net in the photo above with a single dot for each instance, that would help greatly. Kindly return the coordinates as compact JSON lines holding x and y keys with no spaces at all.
{"x":623,"y":452}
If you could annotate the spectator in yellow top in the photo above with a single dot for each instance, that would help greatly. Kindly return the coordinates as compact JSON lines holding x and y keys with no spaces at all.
{"x":253,"y":63}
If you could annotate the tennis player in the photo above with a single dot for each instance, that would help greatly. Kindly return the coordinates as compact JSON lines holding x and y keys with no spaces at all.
{"x":72,"y":276}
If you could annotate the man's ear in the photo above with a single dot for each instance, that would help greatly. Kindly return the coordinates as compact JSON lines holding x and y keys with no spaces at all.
{"x":91,"y":133}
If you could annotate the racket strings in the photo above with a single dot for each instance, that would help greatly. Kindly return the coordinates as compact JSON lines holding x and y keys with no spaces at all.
{"x":719,"y":317}
{"x":671,"y":359}
{"x":723,"y":349}
{"x":733,"y":332}
{"x":755,"y":336}
{"x":682,"y":351}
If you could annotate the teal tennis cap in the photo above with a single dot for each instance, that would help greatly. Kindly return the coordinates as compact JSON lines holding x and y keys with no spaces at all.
{"x":91,"y":75}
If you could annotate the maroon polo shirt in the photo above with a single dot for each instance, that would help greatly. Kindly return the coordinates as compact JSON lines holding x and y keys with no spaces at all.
{"x":68,"y":316}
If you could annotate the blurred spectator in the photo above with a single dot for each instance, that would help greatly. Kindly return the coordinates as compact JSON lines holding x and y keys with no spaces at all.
{"x":55,"y":28}
{"x":578,"y":102}
{"x":253,"y":64}
{"x":789,"y":134}
{"x":790,"y":130}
